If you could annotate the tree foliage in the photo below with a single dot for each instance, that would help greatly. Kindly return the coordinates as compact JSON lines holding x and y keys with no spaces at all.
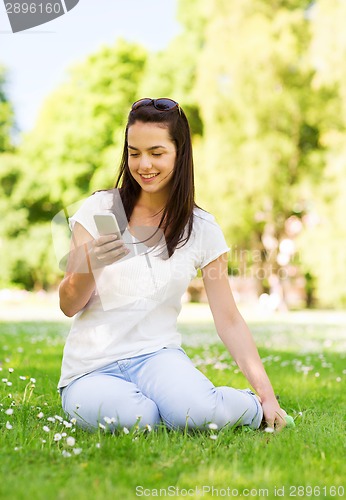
{"x":264,"y":86}
{"x":322,"y":243}
{"x":72,"y":150}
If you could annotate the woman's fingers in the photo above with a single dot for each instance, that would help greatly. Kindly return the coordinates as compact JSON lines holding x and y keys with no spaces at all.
{"x":112,"y":254}
{"x":274,"y":416}
{"x":106,"y":243}
{"x":108,"y":238}
{"x":280,"y":421}
{"x":108,"y":249}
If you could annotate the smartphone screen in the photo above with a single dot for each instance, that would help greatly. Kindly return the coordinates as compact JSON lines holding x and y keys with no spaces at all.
{"x":107,"y":224}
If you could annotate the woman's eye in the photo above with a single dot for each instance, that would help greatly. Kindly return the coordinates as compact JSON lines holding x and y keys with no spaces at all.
{"x":134,"y":155}
{"x":157,"y":154}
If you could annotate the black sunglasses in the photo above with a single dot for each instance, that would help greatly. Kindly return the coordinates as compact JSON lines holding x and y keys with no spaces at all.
{"x":162,"y":104}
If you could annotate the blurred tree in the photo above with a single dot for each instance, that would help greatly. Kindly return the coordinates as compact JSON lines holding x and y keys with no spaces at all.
{"x":9,"y":175}
{"x":322,"y":244}
{"x":261,"y":119}
{"x":6,"y":115}
{"x":172,"y":71}
{"x":74,"y":147}
{"x":73,"y":150}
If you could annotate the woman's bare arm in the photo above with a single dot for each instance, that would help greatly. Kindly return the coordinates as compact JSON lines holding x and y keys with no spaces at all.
{"x":236,"y":336}
{"x":78,"y":284}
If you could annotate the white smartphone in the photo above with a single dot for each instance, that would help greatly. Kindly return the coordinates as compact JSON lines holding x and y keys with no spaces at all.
{"x":107,"y":224}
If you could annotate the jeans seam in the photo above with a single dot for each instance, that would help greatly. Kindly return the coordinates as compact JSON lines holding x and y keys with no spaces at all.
{"x":123,"y":366}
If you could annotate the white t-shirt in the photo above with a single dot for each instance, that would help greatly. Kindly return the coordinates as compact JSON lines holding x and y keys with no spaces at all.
{"x":137,"y":299}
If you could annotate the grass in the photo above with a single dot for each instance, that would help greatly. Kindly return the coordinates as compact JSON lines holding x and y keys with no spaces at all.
{"x":310,"y":381}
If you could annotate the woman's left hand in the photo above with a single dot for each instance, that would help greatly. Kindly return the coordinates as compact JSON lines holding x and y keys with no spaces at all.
{"x":273,"y":414}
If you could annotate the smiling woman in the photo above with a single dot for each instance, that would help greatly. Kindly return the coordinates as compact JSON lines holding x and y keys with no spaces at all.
{"x":123,"y":359}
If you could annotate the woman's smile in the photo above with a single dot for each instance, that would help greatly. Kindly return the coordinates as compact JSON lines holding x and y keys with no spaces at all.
{"x":148,"y":177}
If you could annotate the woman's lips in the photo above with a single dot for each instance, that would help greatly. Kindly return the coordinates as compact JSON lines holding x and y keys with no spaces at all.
{"x":148,"y":179}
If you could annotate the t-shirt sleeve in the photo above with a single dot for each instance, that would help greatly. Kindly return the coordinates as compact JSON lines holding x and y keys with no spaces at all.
{"x":212,"y":242}
{"x":84,"y":215}
{"x":101,"y":202}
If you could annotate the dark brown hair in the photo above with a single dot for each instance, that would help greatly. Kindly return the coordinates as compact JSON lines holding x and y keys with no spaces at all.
{"x":178,"y":212}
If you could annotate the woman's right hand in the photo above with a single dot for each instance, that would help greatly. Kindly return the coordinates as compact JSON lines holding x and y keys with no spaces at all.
{"x":86,"y":254}
{"x":106,"y":250}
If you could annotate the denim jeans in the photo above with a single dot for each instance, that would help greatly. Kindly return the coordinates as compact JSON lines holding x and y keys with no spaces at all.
{"x":162,"y":386}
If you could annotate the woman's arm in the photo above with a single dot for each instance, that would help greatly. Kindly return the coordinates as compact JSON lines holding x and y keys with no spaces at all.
{"x":236,"y":336}
{"x":78,"y":284}
{"x":86,"y":254}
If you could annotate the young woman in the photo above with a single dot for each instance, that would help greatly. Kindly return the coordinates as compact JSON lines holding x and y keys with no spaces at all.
{"x":123,"y":362}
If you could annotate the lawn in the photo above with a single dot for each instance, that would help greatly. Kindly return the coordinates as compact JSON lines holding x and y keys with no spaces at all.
{"x":43,"y":456}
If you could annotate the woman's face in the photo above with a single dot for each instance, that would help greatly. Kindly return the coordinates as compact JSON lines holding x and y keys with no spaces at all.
{"x":151,"y":156}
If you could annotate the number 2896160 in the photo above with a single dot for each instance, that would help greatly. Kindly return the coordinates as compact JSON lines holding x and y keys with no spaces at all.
{"x":33,"y":8}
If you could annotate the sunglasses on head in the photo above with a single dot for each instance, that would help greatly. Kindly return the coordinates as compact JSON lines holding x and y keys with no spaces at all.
{"x":162,"y":104}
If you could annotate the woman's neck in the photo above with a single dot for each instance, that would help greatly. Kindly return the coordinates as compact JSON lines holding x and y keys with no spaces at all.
{"x":151,"y":204}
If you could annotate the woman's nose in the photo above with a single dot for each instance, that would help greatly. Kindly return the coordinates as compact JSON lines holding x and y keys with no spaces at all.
{"x":145,"y":162}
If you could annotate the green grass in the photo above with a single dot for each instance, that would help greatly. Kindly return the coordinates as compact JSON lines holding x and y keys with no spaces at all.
{"x":312,"y":455}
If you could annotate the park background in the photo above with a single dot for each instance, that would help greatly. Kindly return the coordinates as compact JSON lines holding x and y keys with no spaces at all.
{"x":263,"y":83}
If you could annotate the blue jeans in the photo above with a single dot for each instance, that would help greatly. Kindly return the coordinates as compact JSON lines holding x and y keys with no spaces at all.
{"x":163,"y":386}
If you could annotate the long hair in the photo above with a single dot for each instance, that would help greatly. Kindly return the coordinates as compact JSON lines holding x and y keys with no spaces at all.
{"x":178,"y":212}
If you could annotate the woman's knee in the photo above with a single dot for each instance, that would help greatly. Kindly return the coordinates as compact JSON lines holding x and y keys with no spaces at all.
{"x":109,"y":403}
